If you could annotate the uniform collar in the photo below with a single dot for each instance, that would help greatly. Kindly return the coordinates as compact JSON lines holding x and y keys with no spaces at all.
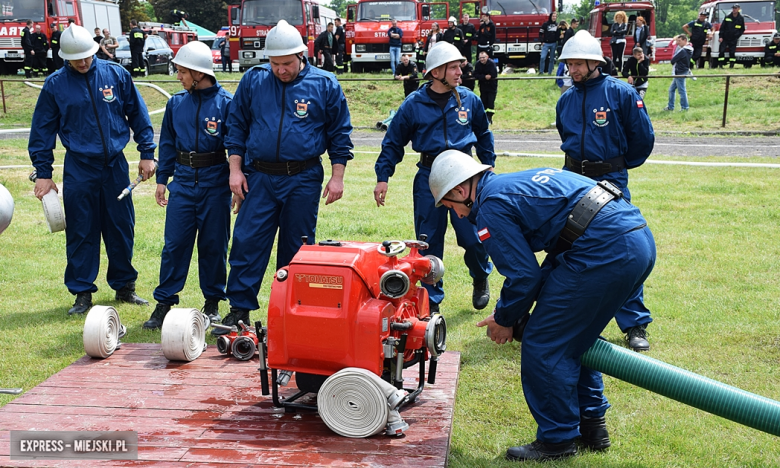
{"x":593,"y":81}
{"x":477,"y":197}
{"x":90,"y":72}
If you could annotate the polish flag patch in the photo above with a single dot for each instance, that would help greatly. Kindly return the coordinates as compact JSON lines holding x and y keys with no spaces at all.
{"x":640,"y":104}
{"x":483,"y":234}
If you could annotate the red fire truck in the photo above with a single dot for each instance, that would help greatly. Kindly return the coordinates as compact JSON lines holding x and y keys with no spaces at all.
{"x":602,"y":17}
{"x":367,"y":45}
{"x":252,"y":19}
{"x":15,"y":13}
{"x":759,"y":28}
{"x":517,"y":27}
{"x":173,"y":35}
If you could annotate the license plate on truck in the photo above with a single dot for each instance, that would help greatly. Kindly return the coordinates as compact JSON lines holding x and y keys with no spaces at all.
{"x":382,"y":57}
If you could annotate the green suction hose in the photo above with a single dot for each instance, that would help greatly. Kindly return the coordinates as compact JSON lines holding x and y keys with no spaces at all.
{"x":686,"y":387}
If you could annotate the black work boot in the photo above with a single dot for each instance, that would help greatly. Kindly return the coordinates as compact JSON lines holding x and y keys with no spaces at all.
{"x":637,"y":338}
{"x":232,"y":319}
{"x":82,"y":304}
{"x":127,"y":294}
{"x":157,"y":318}
{"x":540,"y":451}
{"x":480,"y":296}
{"x":211,"y":309}
{"x":433,"y":308}
{"x":594,"y":433}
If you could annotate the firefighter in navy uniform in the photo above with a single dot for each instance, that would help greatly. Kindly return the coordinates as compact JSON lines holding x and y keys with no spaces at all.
{"x":772,"y":52}
{"x":732,"y":28}
{"x":440,"y":116}
{"x":136,"y":38}
{"x":605,"y":131}
{"x":54,"y":40}
{"x":486,"y":35}
{"x":40,"y":47}
{"x":192,"y":150}
{"x":697,"y":31}
{"x":580,"y":285}
{"x":27,"y":46}
{"x":92,"y":105}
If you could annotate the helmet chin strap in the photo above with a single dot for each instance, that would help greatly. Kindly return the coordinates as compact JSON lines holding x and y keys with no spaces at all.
{"x":449,"y":86}
{"x":468,"y":201}
{"x":590,"y":72}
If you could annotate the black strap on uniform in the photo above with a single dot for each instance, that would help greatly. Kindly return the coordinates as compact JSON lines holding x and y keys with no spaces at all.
{"x":426,"y":160}
{"x":196,"y":160}
{"x":284,"y":168}
{"x":583,"y":213}
{"x":595,"y":168}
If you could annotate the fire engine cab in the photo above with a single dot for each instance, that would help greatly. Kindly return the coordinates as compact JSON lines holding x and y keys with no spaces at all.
{"x":759,"y":28}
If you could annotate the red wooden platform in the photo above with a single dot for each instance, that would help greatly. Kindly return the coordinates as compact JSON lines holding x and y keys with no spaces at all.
{"x":210,"y":412}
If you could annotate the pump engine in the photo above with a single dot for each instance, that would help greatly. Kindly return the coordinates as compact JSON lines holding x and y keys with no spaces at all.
{"x":342,"y":305}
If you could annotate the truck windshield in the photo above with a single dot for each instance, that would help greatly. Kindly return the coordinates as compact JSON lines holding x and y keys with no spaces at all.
{"x":17,"y":10}
{"x":754,"y":12}
{"x":385,"y":11}
{"x":269,"y":12}
{"x":520,"y":7}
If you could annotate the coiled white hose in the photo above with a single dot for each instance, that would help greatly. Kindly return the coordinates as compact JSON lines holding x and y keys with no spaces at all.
{"x":354,"y":402}
{"x":184,"y":334}
{"x":102,"y":330}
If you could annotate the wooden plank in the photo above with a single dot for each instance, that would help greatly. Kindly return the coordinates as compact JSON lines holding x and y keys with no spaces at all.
{"x":184,"y":418}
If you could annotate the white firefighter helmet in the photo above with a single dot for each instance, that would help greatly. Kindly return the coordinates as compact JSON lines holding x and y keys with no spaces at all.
{"x":283,"y":39}
{"x":442,"y":53}
{"x":76,"y":43}
{"x":452,"y":20}
{"x":582,"y":46}
{"x":450,"y":169}
{"x":195,"y":56}
{"x":6,"y":208}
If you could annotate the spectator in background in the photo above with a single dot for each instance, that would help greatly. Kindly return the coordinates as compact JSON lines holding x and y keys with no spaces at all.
{"x":395,"y":34}
{"x":641,"y":33}
{"x":548,"y":33}
{"x":325,"y":44}
{"x":98,"y":37}
{"x":681,"y":66}
{"x":698,"y":31}
{"x":486,"y":72}
{"x":772,"y":52}
{"x":564,"y":82}
{"x":467,"y":78}
{"x":406,"y":71}
{"x":618,"y":31}
{"x":636,"y":69}
{"x":108,"y":45}
{"x":732,"y":28}
{"x":573,"y":24}
{"x":453,"y":34}
{"x":486,"y":35}
{"x":224,"y":51}
{"x":434,"y":37}
{"x":469,"y":34}
{"x":563,"y":26}
{"x":340,"y":46}
{"x":40,"y":47}
{"x":54,"y":40}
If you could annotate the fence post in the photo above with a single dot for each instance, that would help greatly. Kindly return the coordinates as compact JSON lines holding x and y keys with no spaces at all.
{"x":2,"y":91}
{"x":726,"y":101}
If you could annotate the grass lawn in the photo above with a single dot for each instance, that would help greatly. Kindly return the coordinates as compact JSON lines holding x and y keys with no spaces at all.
{"x":521,"y":104}
{"x":714,"y":296}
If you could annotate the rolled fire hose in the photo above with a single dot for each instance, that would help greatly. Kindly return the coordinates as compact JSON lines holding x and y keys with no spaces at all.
{"x":686,"y":387}
{"x":102,"y":331}
{"x":183,"y":334}
{"x":356,"y":403}
{"x":52,"y":210}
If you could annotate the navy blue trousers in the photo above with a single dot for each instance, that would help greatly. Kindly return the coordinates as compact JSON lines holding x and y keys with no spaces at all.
{"x":433,"y":221}
{"x":287,"y":204}
{"x":201,"y":213}
{"x":91,"y":211}
{"x":581,"y":294}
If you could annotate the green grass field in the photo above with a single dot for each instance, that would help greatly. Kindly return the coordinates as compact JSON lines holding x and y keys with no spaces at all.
{"x":714,"y":296}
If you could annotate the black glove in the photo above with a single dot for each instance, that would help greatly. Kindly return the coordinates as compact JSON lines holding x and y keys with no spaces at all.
{"x":519,"y":327}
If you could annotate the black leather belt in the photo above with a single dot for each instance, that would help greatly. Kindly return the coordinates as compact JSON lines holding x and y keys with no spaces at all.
{"x":427,"y":159}
{"x":595,"y":168}
{"x":284,"y":168}
{"x":583,"y":213}
{"x":196,"y":160}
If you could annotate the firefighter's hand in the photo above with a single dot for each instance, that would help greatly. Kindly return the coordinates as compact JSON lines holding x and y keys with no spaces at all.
{"x":146,"y":168}
{"x":32,"y":52}
{"x":44,"y":186}
{"x":495,"y":331}
{"x":335,"y":188}
{"x":236,"y":204}
{"x":238,"y":184}
{"x":159,"y":195}
{"x":630,"y":80}
{"x":720,"y":39}
{"x":379,"y":193}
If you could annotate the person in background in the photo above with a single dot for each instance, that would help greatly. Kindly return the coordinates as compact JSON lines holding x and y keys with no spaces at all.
{"x":407,"y":72}
{"x":698,"y":31}
{"x":469,"y":34}
{"x":395,"y":35}
{"x":108,"y":45}
{"x":573,"y":24}
{"x":40,"y":47}
{"x":636,"y":69}
{"x":137,"y":39}
{"x":453,"y":34}
{"x":54,"y":40}
{"x":434,"y":37}
{"x":98,"y":37}
{"x":224,"y":52}
{"x":641,"y":33}
{"x":467,"y":78}
{"x":563,"y":26}
{"x":731,"y":29}
{"x":564,"y":82}
{"x":192,"y":151}
{"x":325,"y":43}
{"x":340,"y":46}
{"x":681,"y":65}
{"x":27,"y":47}
{"x":486,"y":36}
{"x":486,"y":72}
{"x":618,"y":32}
{"x":548,"y":33}
{"x":92,"y":105}
{"x":772,"y":52}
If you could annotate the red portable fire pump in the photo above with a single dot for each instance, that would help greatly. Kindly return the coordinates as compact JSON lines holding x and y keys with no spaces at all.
{"x":345,"y":305}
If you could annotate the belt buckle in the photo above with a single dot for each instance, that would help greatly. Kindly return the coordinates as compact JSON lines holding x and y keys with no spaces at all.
{"x":289,"y":168}
{"x":189,"y":158}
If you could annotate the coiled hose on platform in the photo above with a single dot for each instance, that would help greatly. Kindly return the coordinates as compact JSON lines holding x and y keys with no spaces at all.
{"x":686,"y":387}
{"x":183,"y":334}
{"x":102,"y":331}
